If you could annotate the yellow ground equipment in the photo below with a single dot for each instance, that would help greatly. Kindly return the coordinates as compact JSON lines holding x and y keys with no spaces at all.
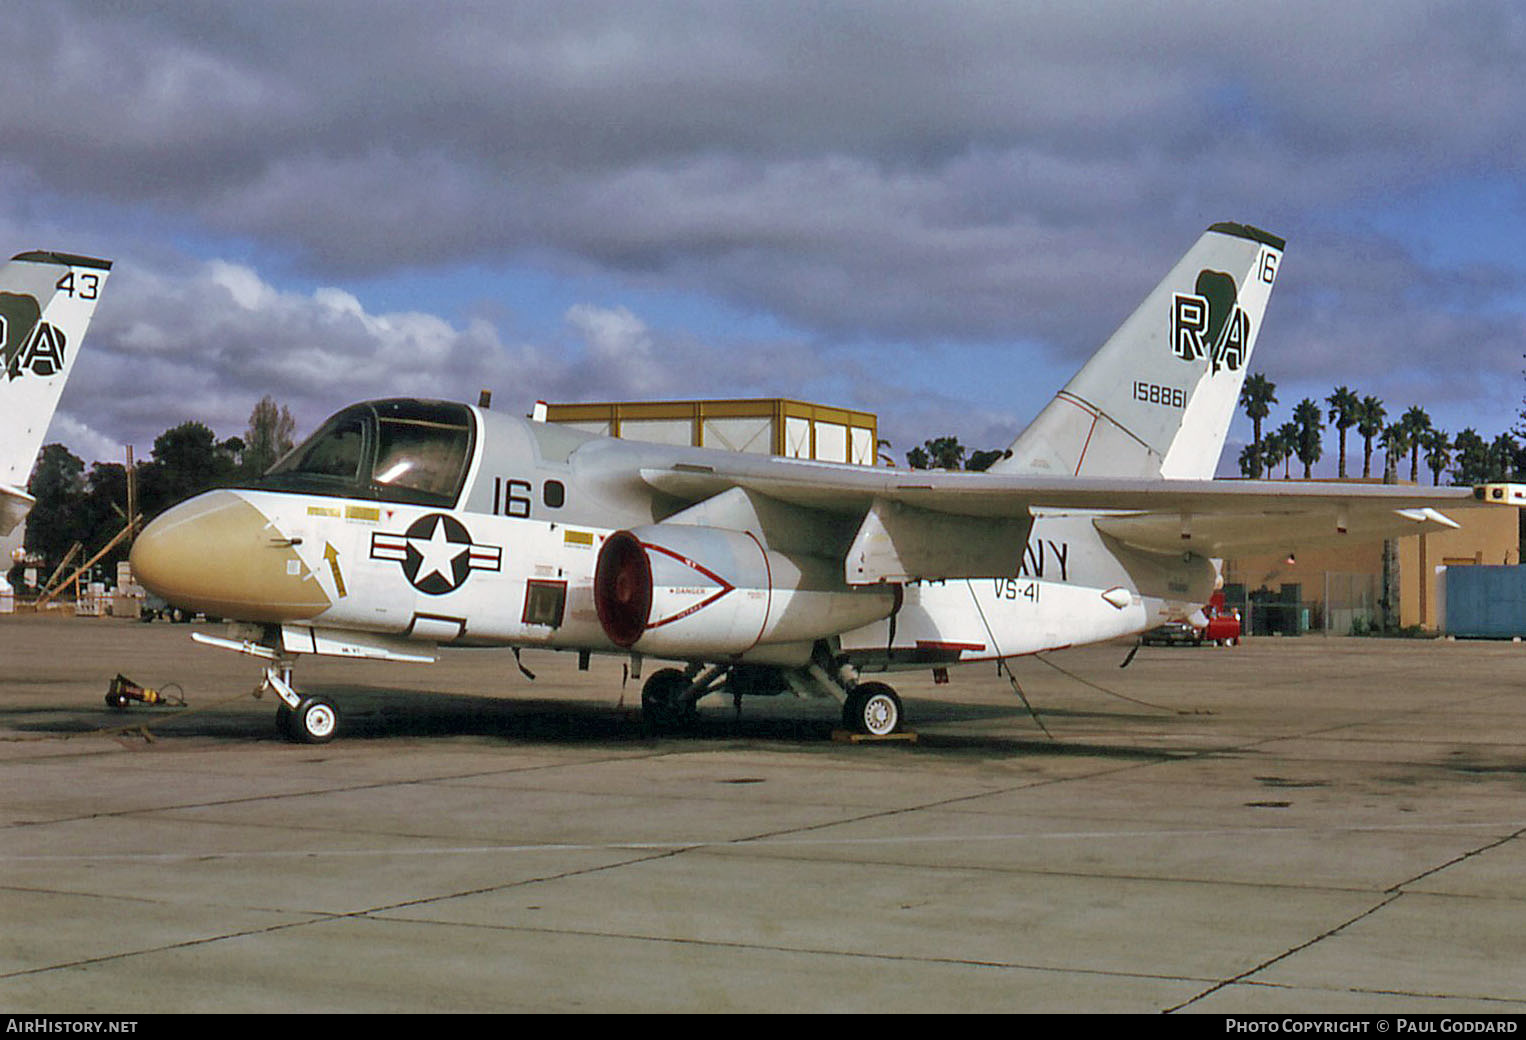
{"x":123,"y":691}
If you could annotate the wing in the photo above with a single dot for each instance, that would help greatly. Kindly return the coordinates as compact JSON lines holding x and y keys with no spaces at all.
{"x":923,"y":524}
{"x":14,"y":505}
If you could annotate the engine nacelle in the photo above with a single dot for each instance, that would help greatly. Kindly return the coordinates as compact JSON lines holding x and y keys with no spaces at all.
{"x":705,"y":593}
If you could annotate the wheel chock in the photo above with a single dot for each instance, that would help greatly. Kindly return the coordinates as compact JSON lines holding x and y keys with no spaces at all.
{"x":848,"y":736}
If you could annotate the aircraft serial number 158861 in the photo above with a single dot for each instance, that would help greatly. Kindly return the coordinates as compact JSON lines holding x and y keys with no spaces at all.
{"x":404,"y":525}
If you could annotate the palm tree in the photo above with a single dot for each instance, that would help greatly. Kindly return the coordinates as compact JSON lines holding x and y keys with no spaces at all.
{"x":1287,"y":444}
{"x":945,"y":452}
{"x":1369,"y":423}
{"x":1472,"y":454}
{"x":1344,"y":412}
{"x":1271,"y":453}
{"x":1257,"y":396}
{"x":1395,"y":446}
{"x":1417,"y":423}
{"x":1250,"y":461}
{"x":1309,"y":422}
{"x":1438,"y":453}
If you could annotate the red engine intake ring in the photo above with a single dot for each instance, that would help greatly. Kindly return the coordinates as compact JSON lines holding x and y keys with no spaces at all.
{"x":622,"y":588}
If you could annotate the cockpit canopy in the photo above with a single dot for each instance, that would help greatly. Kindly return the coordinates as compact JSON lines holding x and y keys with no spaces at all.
{"x":409,"y":451}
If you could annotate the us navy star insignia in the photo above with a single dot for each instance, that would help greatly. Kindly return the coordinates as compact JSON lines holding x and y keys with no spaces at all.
{"x":436,"y":552}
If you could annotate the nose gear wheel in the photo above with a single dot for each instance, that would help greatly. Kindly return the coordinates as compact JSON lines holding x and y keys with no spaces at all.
{"x":315,"y":721}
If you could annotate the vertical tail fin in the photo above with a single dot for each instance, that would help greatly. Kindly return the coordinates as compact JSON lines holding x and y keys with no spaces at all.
{"x":46,"y":302}
{"x":1157,"y":399}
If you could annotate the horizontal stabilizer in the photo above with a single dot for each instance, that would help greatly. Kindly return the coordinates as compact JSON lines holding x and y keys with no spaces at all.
{"x":14,"y":506}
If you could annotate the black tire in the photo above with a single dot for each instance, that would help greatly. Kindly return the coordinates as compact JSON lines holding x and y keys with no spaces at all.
{"x":315,"y":721}
{"x":872,"y":708}
{"x":661,"y":703}
{"x":283,"y":720}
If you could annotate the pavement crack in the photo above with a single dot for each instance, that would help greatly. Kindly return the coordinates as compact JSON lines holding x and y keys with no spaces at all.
{"x":1284,"y":955}
{"x":185,"y":944}
{"x":816,"y":951}
{"x":1487,"y":846}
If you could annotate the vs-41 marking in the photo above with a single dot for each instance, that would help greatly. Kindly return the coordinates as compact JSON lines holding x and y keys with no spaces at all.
{"x":1017,"y":588}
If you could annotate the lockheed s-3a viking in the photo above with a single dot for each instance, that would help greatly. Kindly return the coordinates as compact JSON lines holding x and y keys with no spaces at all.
{"x":401,"y":526}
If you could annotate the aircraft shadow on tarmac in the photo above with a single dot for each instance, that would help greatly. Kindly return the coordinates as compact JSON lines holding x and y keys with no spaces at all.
{"x":372,"y":714}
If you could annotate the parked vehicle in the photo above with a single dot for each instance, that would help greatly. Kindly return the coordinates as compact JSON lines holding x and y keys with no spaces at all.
{"x":1223,"y":625}
{"x":1173,"y":633}
{"x":1222,"y":628}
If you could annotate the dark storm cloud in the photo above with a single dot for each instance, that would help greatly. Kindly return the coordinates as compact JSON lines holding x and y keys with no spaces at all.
{"x":1361,"y":310}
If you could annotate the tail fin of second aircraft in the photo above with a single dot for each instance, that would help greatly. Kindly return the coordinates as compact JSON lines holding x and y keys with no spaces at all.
{"x":46,"y":302}
{"x":1157,"y":399}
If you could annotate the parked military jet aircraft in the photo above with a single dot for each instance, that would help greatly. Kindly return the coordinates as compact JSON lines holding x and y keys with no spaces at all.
{"x":403,"y":525}
{"x":46,"y":301}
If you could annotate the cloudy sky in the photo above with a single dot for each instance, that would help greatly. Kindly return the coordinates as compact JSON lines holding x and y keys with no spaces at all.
{"x":934,"y":211}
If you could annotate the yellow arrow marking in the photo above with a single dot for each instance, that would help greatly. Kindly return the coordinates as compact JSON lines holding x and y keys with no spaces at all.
{"x":331,"y":554}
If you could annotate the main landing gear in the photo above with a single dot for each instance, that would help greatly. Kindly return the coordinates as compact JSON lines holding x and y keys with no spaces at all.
{"x":666,"y":701}
{"x":873,"y":708}
{"x":670,"y":695}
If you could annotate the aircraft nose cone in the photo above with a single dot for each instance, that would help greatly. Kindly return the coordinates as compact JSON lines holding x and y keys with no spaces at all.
{"x":220,"y":555}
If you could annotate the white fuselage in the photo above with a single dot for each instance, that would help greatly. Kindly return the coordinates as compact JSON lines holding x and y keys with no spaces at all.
{"x":464,"y":578}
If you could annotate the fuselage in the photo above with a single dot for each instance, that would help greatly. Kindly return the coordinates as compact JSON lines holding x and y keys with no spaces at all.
{"x":449,"y":524}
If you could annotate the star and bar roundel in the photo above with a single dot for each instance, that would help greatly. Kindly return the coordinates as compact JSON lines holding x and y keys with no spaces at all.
{"x":437,"y":553}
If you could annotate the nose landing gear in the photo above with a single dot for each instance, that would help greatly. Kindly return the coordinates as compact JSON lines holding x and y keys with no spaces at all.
{"x":301,"y":720}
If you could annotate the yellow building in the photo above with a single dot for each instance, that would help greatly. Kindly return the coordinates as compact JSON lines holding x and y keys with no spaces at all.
{"x":762,"y":426}
{"x":1341,"y":586}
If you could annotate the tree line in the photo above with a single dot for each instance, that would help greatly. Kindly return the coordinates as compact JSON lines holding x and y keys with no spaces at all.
{"x":89,"y":506}
{"x":948,"y":453}
{"x":1468,"y":457}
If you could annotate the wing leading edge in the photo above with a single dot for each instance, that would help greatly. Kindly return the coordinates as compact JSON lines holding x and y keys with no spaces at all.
{"x":987,"y":514}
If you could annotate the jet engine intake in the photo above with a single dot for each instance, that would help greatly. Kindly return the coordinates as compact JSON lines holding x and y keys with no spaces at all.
{"x":710,"y":593}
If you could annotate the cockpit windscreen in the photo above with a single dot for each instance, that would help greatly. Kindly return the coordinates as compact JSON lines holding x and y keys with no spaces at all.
{"x":392,"y":451}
